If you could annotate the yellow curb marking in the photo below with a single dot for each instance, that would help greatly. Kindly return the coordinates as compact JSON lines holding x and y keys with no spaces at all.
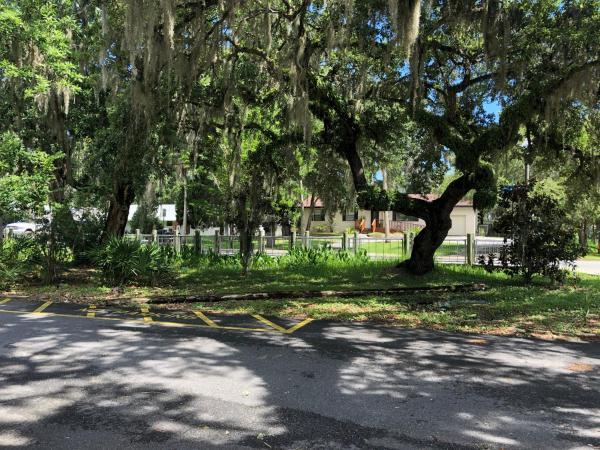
{"x":137,"y":321}
{"x":268,"y":323}
{"x":299,"y":325}
{"x":5,"y":300}
{"x":41,"y":308}
{"x":206,"y":320}
{"x":478,"y":341}
{"x":210,"y":323}
{"x":145,"y":309}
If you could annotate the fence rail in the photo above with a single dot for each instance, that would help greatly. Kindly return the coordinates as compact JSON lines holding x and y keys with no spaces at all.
{"x":456,"y":250}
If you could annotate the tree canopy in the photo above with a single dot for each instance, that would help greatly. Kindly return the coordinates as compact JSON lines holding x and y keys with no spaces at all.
{"x":238,"y":110}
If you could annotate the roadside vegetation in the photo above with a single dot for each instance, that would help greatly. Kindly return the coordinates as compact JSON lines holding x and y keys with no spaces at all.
{"x":245,"y":116}
{"x":506,"y":306}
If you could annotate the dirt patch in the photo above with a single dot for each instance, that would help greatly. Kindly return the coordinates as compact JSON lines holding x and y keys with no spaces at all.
{"x":580,"y":367}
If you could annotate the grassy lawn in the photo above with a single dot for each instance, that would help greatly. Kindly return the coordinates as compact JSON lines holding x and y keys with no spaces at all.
{"x":222,"y":280}
{"x":394,"y":248}
{"x":506,"y":307}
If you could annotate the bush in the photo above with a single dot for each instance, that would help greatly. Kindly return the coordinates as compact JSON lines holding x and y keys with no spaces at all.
{"x":15,"y":254}
{"x":540,"y":239}
{"x":124,"y":261}
{"x":320,"y":255}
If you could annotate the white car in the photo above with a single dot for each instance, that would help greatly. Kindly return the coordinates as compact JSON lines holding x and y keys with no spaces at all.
{"x":22,"y":228}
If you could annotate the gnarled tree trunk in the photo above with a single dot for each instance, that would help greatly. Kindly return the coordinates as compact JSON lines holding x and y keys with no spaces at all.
{"x":427,"y":242}
{"x":344,"y":132}
{"x":118,"y":211}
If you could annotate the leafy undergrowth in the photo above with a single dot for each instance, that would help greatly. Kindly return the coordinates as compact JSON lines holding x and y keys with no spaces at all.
{"x":222,"y":280}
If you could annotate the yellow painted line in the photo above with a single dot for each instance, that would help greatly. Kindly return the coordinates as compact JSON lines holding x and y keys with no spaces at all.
{"x":268,"y":323}
{"x":206,"y":320}
{"x":91,"y":311}
{"x":245,"y":329}
{"x":299,"y":325}
{"x":4,"y":300}
{"x":145,"y":310}
{"x":41,"y":308}
{"x":138,"y":321}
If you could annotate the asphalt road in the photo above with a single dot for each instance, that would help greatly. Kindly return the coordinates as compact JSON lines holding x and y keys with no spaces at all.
{"x":70,"y":382}
{"x":589,"y":266}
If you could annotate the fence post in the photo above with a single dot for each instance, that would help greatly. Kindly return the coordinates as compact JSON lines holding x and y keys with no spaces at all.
{"x":261,"y":240}
{"x":292,"y":240}
{"x":409,"y":242}
{"x":197,"y":242}
{"x":177,"y":239}
{"x":217,"y":245}
{"x":345,"y":241}
{"x":470,"y":256}
{"x":155,"y":236}
{"x":306,"y":243}
{"x":138,"y":234}
{"x":356,"y":242}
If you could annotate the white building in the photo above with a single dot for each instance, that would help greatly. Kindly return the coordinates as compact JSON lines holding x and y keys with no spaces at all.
{"x":165,"y":213}
{"x":464,"y":219}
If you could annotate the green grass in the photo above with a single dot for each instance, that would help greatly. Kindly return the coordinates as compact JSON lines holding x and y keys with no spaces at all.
{"x":506,"y":307}
{"x":219,"y":280}
{"x":593,"y":252}
{"x":394,"y":248}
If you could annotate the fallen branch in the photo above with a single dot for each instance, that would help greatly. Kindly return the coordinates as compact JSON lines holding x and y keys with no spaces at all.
{"x":208,"y":298}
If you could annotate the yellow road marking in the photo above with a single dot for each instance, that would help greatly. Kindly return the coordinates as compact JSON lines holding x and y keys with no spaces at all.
{"x":91,"y":314}
{"x":4,"y":300}
{"x":206,"y":320}
{"x":298,"y":326}
{"x":41,"y":308}
{"x":145,"y":310}
{"x":136,"y":321}
{"x":268,"y":323}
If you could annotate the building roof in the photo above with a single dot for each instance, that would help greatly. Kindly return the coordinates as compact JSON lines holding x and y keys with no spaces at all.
{"x":428,"y":197}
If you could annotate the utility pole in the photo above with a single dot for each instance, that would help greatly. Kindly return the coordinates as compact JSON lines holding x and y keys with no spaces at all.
{"x":185,"y":205}
{"x":301,"y":207}
{"x":386,"y":214}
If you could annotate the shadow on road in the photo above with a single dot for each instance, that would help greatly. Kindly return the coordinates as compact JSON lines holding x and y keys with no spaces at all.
{"x":81,"y":383}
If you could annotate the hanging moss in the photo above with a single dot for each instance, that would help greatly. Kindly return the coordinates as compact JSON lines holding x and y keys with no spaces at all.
{"x":581,"y":85}
{"x":405,"y":16}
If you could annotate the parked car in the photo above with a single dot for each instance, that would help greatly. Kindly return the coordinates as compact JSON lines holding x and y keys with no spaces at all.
{"x":22,"y":228}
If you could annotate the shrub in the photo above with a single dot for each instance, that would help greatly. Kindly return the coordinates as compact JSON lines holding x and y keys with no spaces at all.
{"x":123,"y":261}
{"x":320,"y":255}
{"x":540,"y":238}
{"x":14,"y":256}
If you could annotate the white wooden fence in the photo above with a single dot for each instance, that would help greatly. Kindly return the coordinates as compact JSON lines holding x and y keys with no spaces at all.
{"x":458,"y":250}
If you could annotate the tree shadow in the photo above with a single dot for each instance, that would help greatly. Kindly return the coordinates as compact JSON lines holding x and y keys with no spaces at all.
{"x":67,"y":382}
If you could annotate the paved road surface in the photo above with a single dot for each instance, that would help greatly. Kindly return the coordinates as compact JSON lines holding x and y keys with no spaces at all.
{"x":589,"y":266}
{"x":70,"y":382}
